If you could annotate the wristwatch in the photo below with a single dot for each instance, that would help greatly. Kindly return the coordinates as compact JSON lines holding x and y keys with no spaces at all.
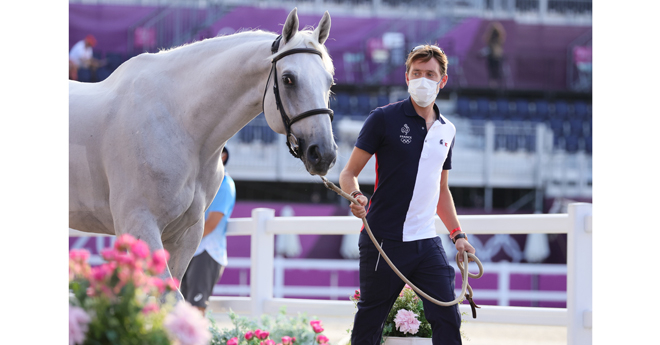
{"x":460,"y":235}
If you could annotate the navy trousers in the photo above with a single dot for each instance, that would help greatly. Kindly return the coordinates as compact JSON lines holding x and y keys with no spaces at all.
{"x":424,"y":263}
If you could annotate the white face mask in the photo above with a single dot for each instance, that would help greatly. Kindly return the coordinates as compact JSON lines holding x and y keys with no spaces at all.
{"x":423,"y":91}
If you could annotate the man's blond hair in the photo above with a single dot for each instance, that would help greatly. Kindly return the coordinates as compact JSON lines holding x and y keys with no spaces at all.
{"x":425,"y":54}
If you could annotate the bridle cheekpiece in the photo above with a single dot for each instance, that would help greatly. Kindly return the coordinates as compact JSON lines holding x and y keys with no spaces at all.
{"x":291,"y":141}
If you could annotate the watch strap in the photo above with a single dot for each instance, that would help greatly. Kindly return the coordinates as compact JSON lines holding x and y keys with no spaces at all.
{"x":459,"y":235}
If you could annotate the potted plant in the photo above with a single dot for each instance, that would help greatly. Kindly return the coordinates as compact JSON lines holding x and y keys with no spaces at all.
{"x":117,"y":302}
{"x":406,"y":323}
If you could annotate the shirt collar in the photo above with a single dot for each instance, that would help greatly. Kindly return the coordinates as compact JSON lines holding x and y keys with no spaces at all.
{"x":409,"y":110}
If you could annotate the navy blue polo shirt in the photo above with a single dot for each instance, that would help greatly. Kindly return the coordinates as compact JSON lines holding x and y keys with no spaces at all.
{"x":409,"y":163}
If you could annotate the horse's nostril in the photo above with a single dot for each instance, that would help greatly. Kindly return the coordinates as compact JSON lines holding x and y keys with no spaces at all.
{"x":314,"y":154}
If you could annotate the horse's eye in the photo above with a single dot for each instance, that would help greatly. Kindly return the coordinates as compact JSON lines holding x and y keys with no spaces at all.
{"x":288,"y":80}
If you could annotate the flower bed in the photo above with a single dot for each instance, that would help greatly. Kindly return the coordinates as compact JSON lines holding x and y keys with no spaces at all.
{"x":270,"y":330}
{"x":117,"y":302}
{"x":121,"y":302}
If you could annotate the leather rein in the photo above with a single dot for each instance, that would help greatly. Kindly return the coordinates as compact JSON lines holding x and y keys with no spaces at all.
{"x":291,"y":141}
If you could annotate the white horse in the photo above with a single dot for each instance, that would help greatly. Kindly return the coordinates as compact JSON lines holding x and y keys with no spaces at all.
{"x":145,"y":144}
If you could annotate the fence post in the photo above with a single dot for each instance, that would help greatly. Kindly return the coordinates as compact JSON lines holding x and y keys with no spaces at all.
{"x":262,"y":251}
{"x":579,"y":274}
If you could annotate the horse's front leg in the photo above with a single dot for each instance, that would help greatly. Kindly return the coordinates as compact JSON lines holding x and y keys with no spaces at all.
{"x":143,"y":226}
{"x":183,"y":247}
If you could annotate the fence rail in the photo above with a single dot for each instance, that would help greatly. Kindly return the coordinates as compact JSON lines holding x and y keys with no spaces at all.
{"x":501,"y":293}
{"x":577,"y":224}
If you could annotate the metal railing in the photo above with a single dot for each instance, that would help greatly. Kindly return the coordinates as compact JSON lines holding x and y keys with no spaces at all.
{"x":488,"y":154}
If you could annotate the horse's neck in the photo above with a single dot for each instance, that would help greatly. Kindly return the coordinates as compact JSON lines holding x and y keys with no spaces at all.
{"x":224,"y":81}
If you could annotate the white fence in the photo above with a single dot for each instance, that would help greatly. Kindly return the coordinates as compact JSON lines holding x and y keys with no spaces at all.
{"x":577,"y":224}
{"x":503,"y":294}
{"x":577,"y":316}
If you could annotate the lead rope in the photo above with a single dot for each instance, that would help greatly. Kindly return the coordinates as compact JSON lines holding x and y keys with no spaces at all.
{"x":466,"y":291}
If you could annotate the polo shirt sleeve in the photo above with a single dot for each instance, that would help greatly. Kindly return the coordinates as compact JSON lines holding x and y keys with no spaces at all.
{"x":447,"y":164}
{"x":372,"y":132}
{"x":224,"y":200}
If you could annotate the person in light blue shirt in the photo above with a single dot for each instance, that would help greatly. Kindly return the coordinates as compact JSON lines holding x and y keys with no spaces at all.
{"x":210,"y":259}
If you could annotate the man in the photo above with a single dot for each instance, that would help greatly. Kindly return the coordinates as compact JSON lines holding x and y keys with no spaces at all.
{"x":413,"y":145}
{"x":210,"y":259}
{"x":81,"y":56}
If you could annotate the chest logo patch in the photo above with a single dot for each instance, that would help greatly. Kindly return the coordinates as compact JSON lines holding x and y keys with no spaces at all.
{"x":442,"y":142}
{"x":405,"y":138}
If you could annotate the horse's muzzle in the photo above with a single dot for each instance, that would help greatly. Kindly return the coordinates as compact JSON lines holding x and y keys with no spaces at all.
{"x":320,"y":158}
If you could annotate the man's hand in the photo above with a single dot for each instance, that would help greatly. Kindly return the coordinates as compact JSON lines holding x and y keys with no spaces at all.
{"x":360,"y":211}
{"x":463,"y":245}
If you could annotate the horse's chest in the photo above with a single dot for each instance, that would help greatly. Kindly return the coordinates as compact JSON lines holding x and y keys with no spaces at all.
{"x":201,"y":194}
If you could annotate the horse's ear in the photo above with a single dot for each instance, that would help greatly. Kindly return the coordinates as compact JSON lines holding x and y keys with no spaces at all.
{"x":291,"y":25}
{"x":323,"y":30}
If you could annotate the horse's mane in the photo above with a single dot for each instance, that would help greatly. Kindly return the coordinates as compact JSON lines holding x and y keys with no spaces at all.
{"x":305,"y":36}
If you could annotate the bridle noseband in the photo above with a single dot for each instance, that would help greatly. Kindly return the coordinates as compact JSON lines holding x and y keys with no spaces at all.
{"x":291,"y":140}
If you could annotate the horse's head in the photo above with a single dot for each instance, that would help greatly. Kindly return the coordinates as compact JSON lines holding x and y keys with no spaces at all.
{"x":302,"y":75}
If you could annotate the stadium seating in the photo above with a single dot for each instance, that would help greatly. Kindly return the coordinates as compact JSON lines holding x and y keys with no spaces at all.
{"x":570,"y":121}
{"x":84,"y":75}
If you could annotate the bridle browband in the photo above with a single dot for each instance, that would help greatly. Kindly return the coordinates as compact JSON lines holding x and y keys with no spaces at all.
{"x":291,"y":140}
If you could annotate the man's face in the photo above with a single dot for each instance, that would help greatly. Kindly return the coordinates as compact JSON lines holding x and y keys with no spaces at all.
{"x":224,"y":158}
{"x":429,"y":70}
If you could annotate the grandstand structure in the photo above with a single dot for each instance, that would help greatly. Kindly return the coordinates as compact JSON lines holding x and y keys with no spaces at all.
{"x":520,"y":145}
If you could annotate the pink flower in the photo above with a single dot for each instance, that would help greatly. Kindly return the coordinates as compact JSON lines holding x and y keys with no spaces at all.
{"x":108,"y":254}
{"x":139,"y":278}
{"x":78,"y":320}
{"x":140,"y":249}
{"x":172,"y":284}
{"x":159,"y":261}
{"x":407,"y":287}
{"x":102,"y":272}
{"x":322,"y":339}
{"x":78,"y":265}
{"x":233,"y":341}
{"x":286,"y":340}
{"x":356,"y":296}
{"x":79,"y":255}
{"x":124,"y":242}
{"x":187,"y":325}
{"x":406,"y":321}
{"x":316,"y":326}
{"x":249,"y":335}
{"x":125,"y":259}
{"x":269,"y":341}
{"x":262,"y":334}
{"x":150,"y":308}
{"x":156,"y":284}
{"x":293,"y":340}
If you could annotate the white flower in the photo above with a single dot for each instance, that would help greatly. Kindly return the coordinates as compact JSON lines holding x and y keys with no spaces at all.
{"x":406,"y":321}
{"x":187,"y":324}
